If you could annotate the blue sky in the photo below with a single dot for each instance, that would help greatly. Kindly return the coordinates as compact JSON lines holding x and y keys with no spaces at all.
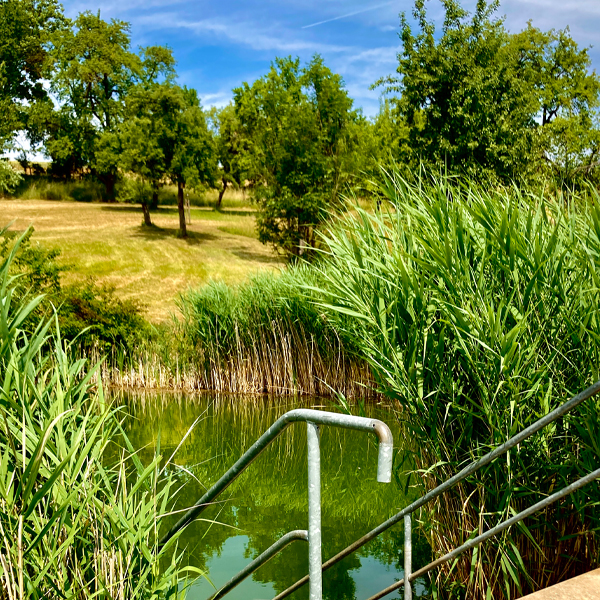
{"x":220,"y":43}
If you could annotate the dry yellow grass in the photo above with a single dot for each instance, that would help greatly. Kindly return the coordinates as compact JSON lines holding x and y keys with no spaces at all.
{"x":150,"y":265}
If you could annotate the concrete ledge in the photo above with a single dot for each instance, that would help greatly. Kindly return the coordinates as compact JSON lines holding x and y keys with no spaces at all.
{"x":583,"y":587}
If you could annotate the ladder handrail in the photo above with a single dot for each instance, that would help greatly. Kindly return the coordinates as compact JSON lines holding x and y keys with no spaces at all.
{"x":260,"y":560}
{"x":449,"y":483}
{"x":384,"y":464}
{"x":313,"y":419}
{"x":593,"y":475}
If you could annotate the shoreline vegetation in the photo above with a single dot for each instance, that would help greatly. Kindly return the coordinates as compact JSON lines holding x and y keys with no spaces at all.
{"x":473,"y":310}
{"x":72,"y":522}
{"x":265,"y":336}
{"x":278,"y":373}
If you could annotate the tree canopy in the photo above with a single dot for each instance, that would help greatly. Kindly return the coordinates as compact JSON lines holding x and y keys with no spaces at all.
{"x":467,"y":96}
{"x":94,"y":71}
{"x":26,"y":30}
{"x":298,"y":121}
{"x":232,"y":149}
{"x":474,"y":96}
{"x":166,"y":136}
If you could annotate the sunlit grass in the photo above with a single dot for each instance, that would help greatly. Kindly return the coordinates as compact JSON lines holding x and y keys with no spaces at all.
{"x":244,"y":228}
{"x":147,"y":264}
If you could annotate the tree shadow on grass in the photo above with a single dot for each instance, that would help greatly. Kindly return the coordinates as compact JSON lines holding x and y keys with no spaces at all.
{"x":257,"y":256}
{"x":236,"y":212}
{"x":136,"y":208}
{"x":118,"y":207}
{"x":152,"y":232}
{"x":169,"y":209}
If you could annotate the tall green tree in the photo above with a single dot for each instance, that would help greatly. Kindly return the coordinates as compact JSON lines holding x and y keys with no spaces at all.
{"x":166,"y":137}
{"x":459,"y":95}
{"x":95,"y":69}
{"x":26,"y":30}
{"x":567,"y":94}
{"x":190,"y":150}
{"x":298,"y":121}
{"x":140,"y":137}
{"x":232,"y":148}
{"x":474,"y":96}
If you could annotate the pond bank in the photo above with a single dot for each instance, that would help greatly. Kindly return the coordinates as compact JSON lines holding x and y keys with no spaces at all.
{"x":286,"y":374}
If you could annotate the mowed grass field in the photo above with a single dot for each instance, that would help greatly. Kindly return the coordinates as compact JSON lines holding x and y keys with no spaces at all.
{"x":148,"y":264}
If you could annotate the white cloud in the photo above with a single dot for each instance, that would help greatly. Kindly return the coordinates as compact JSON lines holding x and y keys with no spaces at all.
{"x":275,"y":38}
{"x":552,"y":8}
{"x":218,"y":99}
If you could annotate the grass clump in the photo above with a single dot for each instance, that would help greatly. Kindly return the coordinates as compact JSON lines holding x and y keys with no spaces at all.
{"x":478,"y":311}
{"x":267,"y":335}
{"x":87,"y":311}
{"x":42,"y":187}
{"x":72,"y":525}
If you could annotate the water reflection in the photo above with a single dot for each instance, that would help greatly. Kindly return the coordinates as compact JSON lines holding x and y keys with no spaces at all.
{"x":270,"y":498}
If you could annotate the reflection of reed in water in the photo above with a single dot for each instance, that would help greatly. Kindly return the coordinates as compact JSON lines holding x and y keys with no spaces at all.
{"x":227,"y":427}
{"x":270,"y":498}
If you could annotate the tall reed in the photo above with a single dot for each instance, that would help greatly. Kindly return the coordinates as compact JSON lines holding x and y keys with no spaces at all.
{"x":477,"y":310}
{"x":265,"y":336}
{"x":42,"y":187}
{"x":72,"y":525}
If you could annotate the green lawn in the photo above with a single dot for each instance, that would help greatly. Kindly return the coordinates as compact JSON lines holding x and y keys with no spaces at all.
{"x":151,"y":265}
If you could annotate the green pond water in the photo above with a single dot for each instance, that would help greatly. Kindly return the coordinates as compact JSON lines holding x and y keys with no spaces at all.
{"x":270,"y":498}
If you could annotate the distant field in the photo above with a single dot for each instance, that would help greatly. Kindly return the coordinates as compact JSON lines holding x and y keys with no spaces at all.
{"x":108,"y":242}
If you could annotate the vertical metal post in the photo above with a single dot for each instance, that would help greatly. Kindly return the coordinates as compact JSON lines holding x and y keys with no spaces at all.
{"x":314,"y":513}
{"x":407,"y":556}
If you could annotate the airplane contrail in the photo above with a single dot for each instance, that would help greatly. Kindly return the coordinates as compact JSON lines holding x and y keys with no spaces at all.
{"x":358,"y":12}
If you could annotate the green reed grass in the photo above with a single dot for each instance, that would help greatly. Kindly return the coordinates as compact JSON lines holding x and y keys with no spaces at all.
{"x":72,"y":525}
{"x":265,"y":336}
{"x":268,"y":335}
{"x":477,"y":310}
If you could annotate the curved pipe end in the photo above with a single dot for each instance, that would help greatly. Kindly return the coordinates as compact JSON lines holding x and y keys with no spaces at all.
{"x":386,"y":451}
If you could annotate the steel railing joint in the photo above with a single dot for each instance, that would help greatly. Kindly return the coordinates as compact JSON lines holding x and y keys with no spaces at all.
{"x":314,"y":419}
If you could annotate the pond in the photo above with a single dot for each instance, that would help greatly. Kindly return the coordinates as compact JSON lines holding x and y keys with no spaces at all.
{"x":270,"y":498}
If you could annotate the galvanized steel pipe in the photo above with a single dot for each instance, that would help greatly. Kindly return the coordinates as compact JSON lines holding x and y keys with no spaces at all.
{"x":260,"y":560}
{"x":491,"y":533}
{"x":315,"y":587}
{"x":407,"y":556}
{"x":449,"y":483}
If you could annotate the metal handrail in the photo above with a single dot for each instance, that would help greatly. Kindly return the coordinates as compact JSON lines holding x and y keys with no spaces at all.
{"x":405,"y":513}
{"x":488,"y":534}
{"x":313,"y":419}
{"x":260,"y":560}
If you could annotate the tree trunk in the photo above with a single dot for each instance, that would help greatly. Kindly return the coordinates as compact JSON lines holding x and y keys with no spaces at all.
{"x":154,"y":203}
{"x":221,"y":193}
{"x":181,"y":208}
{"x":109,"y":183}
{"x":146,"y":210}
